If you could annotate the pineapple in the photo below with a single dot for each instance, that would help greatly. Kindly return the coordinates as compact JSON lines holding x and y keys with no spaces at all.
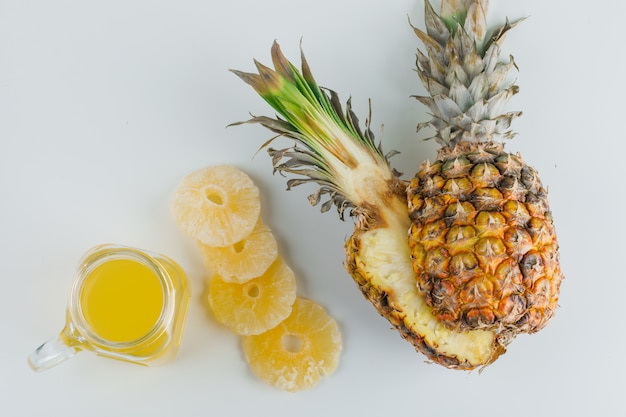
{"x":463,"y":257}
{"x":297,"y":353}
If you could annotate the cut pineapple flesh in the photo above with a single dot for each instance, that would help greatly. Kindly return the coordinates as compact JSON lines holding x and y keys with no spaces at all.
{"x":256,"y":305}
{"x":297,"y":353}
{"x":390,"y":269}
{"x":218,"y":206}
{"x":246,"y":259}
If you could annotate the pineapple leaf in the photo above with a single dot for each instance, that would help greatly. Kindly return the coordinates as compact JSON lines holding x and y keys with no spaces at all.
{"x":332,"y":143}
{"x":453,"y":13}
{"x":462,"y":72}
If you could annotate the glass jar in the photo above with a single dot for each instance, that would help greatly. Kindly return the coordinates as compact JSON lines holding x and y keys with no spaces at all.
{"x":125,"y":303}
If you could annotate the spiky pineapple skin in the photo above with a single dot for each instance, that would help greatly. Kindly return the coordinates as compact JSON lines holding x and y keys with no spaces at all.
{"x":483,"y":242}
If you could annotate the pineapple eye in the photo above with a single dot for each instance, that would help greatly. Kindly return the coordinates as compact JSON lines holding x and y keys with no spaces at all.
{"x":434,"y":232}
{"x":486,"y":173}
{"x":437,"y":261}
{"x":432,"y":185}
{"x":463,"y":262}
{"x":459,"y":234}
{"x":459,"y":188}
{"x":456,"y":167}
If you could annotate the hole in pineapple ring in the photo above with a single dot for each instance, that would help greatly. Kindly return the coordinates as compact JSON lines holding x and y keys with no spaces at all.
{"x":215,"y":195}
{"x":238,"y":247}
{"x":292,"y":343}
{"x":252,"y":290}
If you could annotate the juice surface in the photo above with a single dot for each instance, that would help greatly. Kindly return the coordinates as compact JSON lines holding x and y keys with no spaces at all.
{"x":121,"y":300}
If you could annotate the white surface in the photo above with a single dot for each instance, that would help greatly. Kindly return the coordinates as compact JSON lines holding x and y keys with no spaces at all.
{"x":105,"y":106}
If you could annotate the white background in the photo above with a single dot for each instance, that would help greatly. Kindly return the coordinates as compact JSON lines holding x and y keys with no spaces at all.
{"x":106,"y":106}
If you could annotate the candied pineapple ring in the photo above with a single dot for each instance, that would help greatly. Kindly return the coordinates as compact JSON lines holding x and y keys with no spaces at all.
{"x":297,"y":353}
{"x":218,"y":206}
{"x":256,"y":305}
{"x":246,"y":259}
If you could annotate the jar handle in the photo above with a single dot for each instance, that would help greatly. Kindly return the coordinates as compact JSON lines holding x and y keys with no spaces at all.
{"x":51,"y":353}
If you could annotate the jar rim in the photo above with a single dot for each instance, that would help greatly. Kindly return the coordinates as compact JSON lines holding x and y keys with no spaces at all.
{"x":105,"y":253}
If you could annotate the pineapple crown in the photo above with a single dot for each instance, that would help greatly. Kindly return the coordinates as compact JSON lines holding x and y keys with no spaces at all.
{"x":330,"y":147}
{"x":468,"y":85}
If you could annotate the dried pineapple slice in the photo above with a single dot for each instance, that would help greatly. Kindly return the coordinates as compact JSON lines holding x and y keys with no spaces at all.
{"x":297,"y":353}
{"x":256,"y":305}
{"x":249,"y":258}
{"x":219,"y":205}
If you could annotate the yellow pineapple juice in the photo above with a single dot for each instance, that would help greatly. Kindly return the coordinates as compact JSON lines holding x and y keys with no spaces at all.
{"x":125,"y":304}
{"x":121,"y":300}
